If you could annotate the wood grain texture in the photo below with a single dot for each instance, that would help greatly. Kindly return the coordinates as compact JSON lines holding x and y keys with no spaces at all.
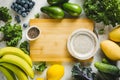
{"x":52,"y":43}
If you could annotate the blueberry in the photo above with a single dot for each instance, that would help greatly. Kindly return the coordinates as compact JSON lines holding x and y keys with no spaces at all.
{"x":26,"y":6}
{"x":25,"y":25}
{"x":18,"y":1}
{"x":28,"y":10}
{"x":31,"y":4}
{"x":22,"y":2}
{"x":17,"y":18}
{"x":24,"y":14}
{"x":19,"y":7}
{"x":27,"y":2}
{"x":30,"y":0}
{"x":23,"y":9}
{"x":16,"y":9}
{"x":16,"y":5}
{"x":20,"y":12}
{"x":13,"y":3}
{"x":12,"y":6}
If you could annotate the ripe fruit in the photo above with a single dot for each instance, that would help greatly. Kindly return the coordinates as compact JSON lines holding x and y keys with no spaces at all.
{"x":55,"y":72}
{"x":13,"y":59}
{"x":17,"y":62}
{"x":111,"y":49}
{"x":115,"y":34}
{"x":15,"y":51}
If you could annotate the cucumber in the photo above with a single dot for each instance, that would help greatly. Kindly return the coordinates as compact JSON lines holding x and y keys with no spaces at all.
{"x":106,"y":76}
{"x":107,"y":68}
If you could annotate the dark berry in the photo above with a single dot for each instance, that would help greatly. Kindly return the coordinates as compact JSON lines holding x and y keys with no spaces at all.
{"x":19,"y":7}
{"x":23,"y":9}
{"x":18,"y":1}
{"x":20,"y":12}
{"x":16,"y":9}
{"x":24,"y":14}
{"x":12,"y":6}
{"x":26,"y":6}
{"x":25,"y":25}
{"x":16,"y":5}
{"x":17,"y":18}
{"x":31,"y":4}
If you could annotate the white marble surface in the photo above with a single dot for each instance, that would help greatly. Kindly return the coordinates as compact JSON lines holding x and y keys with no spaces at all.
{"x":36,"y":9}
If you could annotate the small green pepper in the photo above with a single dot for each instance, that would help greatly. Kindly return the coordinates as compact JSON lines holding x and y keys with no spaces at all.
{"x":72,"y":8}
{"x":53,"y":12}
{"x":56,"y":2}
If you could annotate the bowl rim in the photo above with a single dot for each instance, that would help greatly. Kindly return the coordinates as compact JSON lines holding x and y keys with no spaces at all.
{"x":73,"y":53}
{"x":30,"y":27}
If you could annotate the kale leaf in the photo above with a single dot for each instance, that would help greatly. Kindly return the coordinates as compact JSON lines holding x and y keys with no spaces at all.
{"x":12,"y":34}
{"x":80,"y":72}
{"x":4,"y":15}
{"x":106,"y":11}
{"x":24,"y":46}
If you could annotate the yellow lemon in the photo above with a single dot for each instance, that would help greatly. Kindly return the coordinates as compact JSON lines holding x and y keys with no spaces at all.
{"x":39,"y":79}
{"x":55,"y":72}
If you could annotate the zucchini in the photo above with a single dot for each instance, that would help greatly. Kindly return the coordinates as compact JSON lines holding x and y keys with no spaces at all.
{"x":107,"y":68}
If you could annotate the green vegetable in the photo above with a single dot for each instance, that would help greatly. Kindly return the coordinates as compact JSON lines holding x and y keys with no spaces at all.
{"x":24,"y":46}
{"x":56,"y":2}
{"x":107,"y":11}
{"x":105,"y":76}
{"x":101,"y":31}
{"x":40,"y":66}
{"x":72,"y":8}
{"x":12,"y":34}
{"x":37,"y":15}
{"x":104,"y":60}
{"x":80,"y":72}
{"x":107,"y":68}
{"x":4,"y":15}
{"x":53,"y":11}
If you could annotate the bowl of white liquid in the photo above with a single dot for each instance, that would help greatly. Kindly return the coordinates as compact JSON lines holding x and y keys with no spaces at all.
{"x":82,"y":44}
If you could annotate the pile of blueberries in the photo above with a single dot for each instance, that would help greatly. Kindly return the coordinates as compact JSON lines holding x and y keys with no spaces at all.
{"x":23,"y":7}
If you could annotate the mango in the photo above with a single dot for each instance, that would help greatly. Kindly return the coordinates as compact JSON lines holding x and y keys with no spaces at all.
{"x":110,"y":49}
{"x":114,"y":35}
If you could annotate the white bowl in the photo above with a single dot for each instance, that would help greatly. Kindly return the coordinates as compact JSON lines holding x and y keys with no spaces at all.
{"x":33,"y":35}
{"x":82,"y":44}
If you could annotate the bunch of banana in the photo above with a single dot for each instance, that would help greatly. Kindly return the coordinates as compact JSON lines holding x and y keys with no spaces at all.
{"x":15,"y":64}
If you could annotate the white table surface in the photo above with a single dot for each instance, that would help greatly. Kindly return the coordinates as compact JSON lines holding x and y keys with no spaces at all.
{"x":36,"y":9}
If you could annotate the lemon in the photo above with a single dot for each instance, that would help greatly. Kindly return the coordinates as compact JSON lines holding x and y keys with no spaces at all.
{"x":55,"y":72}
{"x":39,"y":79}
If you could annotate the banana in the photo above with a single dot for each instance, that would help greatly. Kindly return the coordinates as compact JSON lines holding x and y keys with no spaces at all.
{"x":15,"y":51}
{"x":18,"y":61}
{"x":18,"y":72}
{"x":7,"y":73}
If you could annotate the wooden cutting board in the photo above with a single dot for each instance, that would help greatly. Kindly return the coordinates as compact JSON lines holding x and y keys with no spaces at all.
{"x":52,"y":43}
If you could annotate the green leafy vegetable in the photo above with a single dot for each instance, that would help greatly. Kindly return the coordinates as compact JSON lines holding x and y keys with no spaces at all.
{"x":80,"y":72}
{"x":12,"y":34}
{"x":4,"y":15}
{"x":24,"y":46}
{"x":37,"y":15}
{"x":40,"y":66}
{"x":101,"y":31}
{"x":107,"y":11}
